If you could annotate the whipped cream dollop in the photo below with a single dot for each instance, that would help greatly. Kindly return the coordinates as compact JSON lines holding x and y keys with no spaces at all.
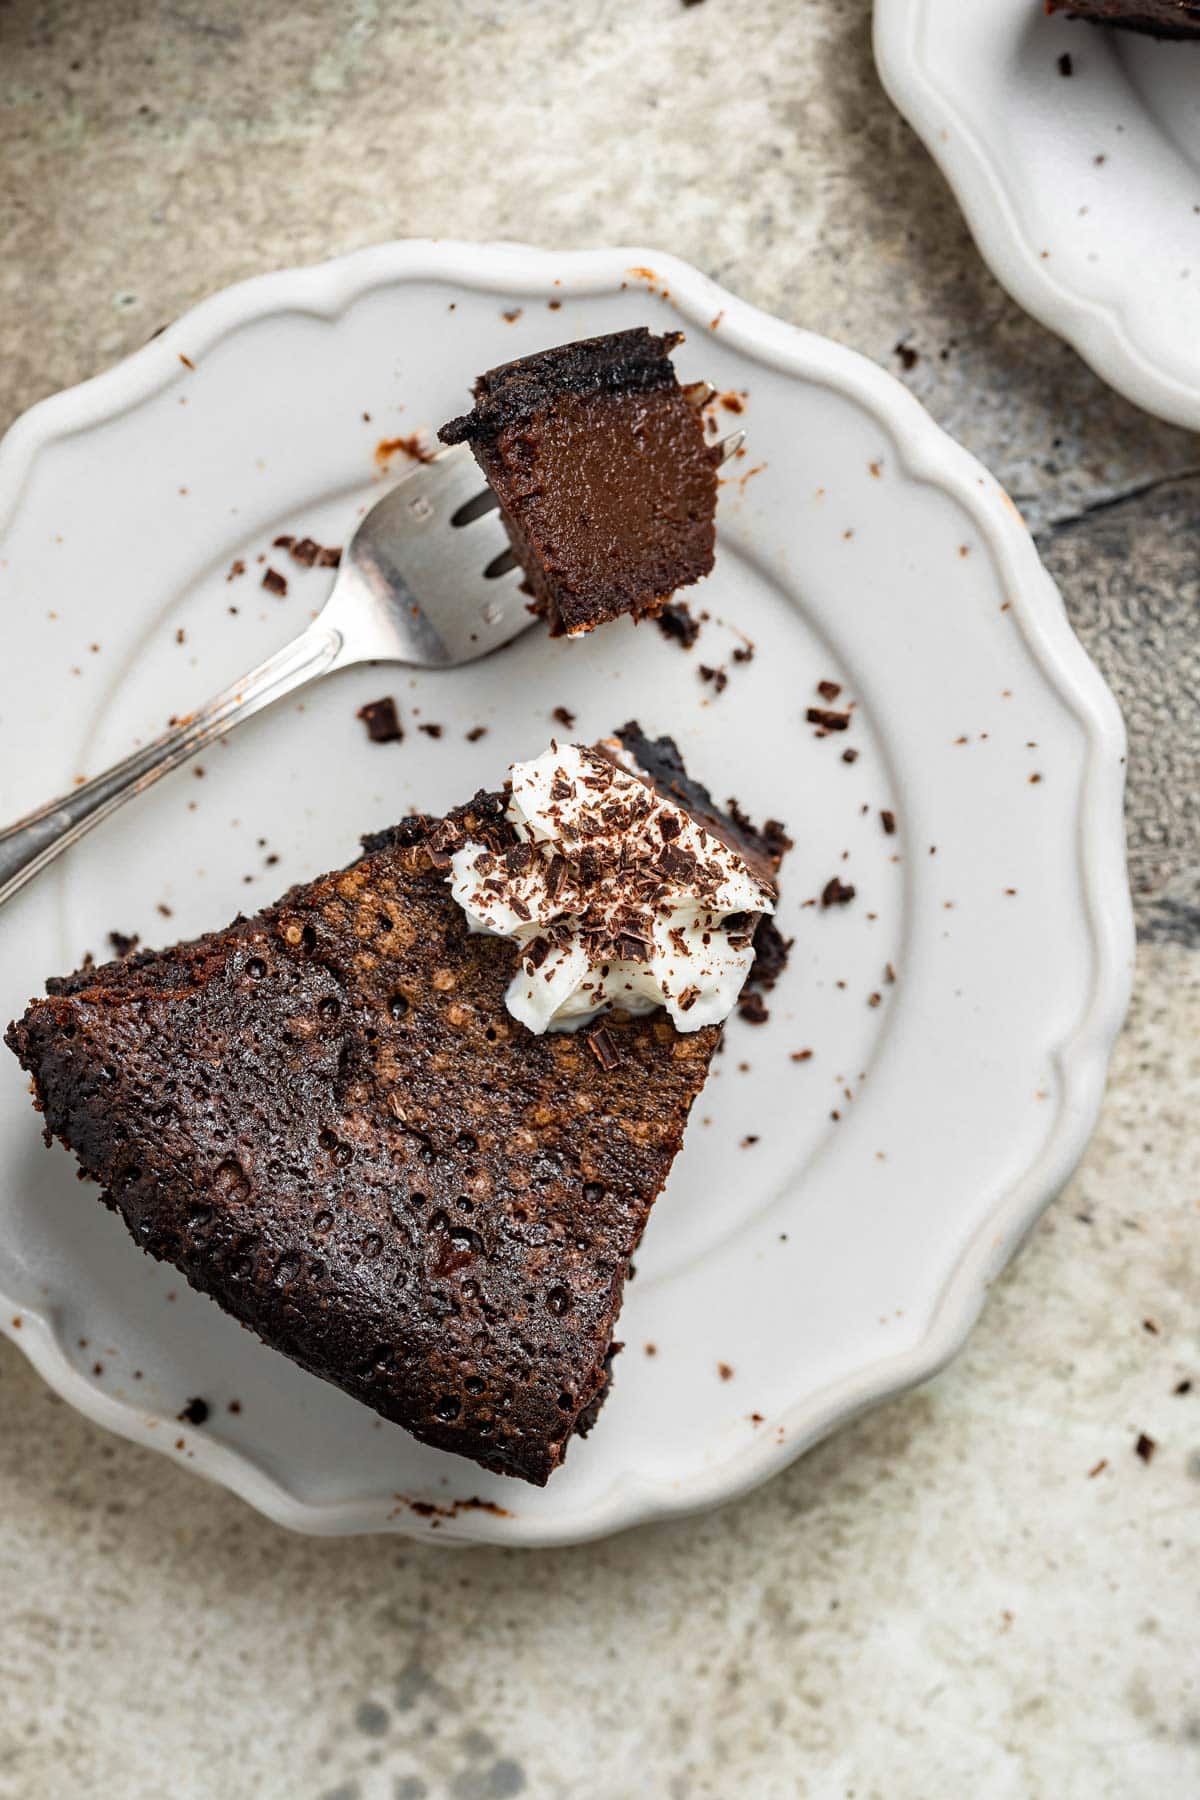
{"x":615,"y":896}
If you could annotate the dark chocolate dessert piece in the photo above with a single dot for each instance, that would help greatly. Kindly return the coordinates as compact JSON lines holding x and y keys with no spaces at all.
{"x":325,"y":1117}
{"x":1159,"y":18}
{"x":605,"y":482}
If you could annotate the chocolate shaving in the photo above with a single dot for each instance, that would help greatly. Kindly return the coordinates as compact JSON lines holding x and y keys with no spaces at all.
{"x":836,"y":893}
{"x":602,"y":1047}
{"x":829,"y":690}
{"x":307,"y":552}
{"x":827,"y":720}
{"x":381,"y":720}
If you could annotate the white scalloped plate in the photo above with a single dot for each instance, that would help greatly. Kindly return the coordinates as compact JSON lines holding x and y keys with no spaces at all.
{"x":1082,"y":193}
{"x":833,"y":1223}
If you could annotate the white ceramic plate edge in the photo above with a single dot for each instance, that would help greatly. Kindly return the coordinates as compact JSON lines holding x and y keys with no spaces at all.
{"x":1098,"y":332}
{"x":929,"y":455}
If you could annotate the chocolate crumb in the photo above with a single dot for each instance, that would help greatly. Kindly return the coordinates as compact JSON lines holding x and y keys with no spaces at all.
{"x":381,"y":720}
{"x":676,"y":623}
{"x":237,"y":567}
{"x":718,"y":677}
{"x":1150,"y":1326}
{"x":603,"y":1048}
{"x":771,"y":950}
{"x":1145,"y":1447}
{"x":725,"y":1371}
{"x":235,"y":1406}
{"x":888,"y":821}
{"x":122,"y":944}
{"x":836,"y":893}
{"x":187,"y":362}
{"x":827,"y":720}
{"x":889,"y":974}
{"x":433,"y":731}
{"x":829,"y":690}
{"x":651,"y":1349}
{"x":1182,"y":1387}
{"x":1065,"y":65}
{"x":744,"y":653}
{"x":750,"y":1006}
{"x":413,"y":446}
{"x":748,"y":1141}
{"x":180,"y":635}
{"x":849,"y":756}
{"x":164,"y":909}
{"x":274,"y":582}
{"x":308,"y":553}
{"x":801,"y":1055}
{"x":909,"y":358}
{"x":512,"y":315}
{"x":1098,"y":1468}
{"x":194,"y":1413}
{"x":476,"y":732}
{"x":562,"y":717}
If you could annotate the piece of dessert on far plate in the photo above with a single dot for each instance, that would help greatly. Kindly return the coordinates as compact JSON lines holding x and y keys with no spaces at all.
{"x":606,"y":484}
{"x":1159,"y":18}
{"x":408,"y":1123}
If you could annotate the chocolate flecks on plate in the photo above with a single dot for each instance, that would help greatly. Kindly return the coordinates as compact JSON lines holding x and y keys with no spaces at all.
{"x":476,"y":732}
{"x":1145,"y":1447}
{"x":432,"y":731}
{"x":829,"y":690}
{"x":122,"y":942}
{"x":564,"y":717}
{"x":308,"y":553}
{"x":850,"y":755}
{"x":676,"y":623}
{"x":827,"y":719}
{"x":274,"y":582}
{"x":194,"y":1413}
{"x":888,"y":821}
{"x":717,"y":677}
{"x":836,"y":893}
{"x":237,"y":567}
{"x":381,"y":720}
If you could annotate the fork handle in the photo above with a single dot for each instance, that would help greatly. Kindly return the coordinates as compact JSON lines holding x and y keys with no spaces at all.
{"x":33,"y":842}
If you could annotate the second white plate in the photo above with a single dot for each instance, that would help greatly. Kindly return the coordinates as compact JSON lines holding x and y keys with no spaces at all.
{"x":1082,"y":190}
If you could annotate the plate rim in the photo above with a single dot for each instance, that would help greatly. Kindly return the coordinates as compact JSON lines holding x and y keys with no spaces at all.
{"x":1096,"y":330}
{"x":928,"y":454}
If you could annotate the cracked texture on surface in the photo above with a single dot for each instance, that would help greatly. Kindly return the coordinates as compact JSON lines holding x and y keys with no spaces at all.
{"x":980,"y":1588}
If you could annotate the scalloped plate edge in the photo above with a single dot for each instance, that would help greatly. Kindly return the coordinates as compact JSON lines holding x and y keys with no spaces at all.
{"x":929,"y":455}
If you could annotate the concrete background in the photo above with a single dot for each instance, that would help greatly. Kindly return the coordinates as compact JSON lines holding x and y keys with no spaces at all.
{"x":941,"y":1600}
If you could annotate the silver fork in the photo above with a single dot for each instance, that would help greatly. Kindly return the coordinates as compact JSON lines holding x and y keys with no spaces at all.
{"x":427,"y":579}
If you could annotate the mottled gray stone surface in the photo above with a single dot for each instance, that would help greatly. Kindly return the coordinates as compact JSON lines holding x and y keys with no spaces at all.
{"x":942,"y":1600}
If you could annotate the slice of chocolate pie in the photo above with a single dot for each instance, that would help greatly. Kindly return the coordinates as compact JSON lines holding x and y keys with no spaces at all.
{"x":606,"y":484}
{"x":333,"y":1120}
